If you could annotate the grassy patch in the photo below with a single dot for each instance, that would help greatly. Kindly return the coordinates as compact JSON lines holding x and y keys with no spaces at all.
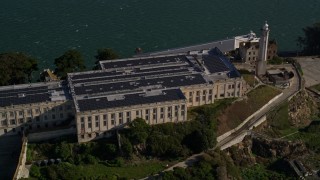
{"x":316,"y":87}
{"x":249,"y":78}
{"x":237,"y":112}
{"x":279,"y":121}
{"x":101,"y":171}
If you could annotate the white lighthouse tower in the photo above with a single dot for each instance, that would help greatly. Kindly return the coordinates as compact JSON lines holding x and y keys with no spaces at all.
{"x":261,"y":65}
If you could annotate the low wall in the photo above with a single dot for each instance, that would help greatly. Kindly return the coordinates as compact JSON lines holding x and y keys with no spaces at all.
{"x":223,"y":136}
{"x":234,"y":141}
{"x":42,"y":136}
{"x":21,"y":169}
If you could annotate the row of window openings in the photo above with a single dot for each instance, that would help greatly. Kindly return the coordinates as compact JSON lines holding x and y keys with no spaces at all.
{"x":29,"y":127}
{"x":138,"y":113}
{"x":29,"y":112}
{"x":97,"y":123}
{"x":29,"y":119}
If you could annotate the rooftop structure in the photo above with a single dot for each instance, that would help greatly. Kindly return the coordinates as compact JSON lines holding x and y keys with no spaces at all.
{"x":224,"y":45}
{"x":32,"y":93}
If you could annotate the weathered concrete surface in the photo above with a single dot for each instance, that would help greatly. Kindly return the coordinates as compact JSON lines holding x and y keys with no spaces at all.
{"x":311,"y":70}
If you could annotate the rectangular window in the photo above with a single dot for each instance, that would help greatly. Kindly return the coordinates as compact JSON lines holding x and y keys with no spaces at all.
{"x":53,"y":116}
{"x":82,"y":126}
{"x":45,"y":117}
{"x":147,"y":111}
{"x":3,"y":115}
{"x":61,"y":115}
{"x":203,"y":98}
{"x":37,"y":111}
{"x":37,"y":118}
{"x":97,"y":118}
{"x":161,"y":116}
{"x":104,"y":123}
{"x":162,"y":110}
{"x":104,"y":117}
{"x":120,"y":121}
{"x":210,"y":91}
{"x":120,"y":115}
{"x":112,"y":116}
{"x":155,"y":110}
{"x":60,"y":108}
{"x":12,"y":121}
{"x":82,"y":119}
{"x":20,"y":120}
{"x":112,"y":122}
{"x":137,"y":113}
{"x":128,"y":114}
{"x":89,"y":119}
{"x":154,"y":117}
{"x":147,"y":117}
{"x":97,"y":124}
{"x":197,"y":99}
{"x":89,"y":125}
{"x":11,"y":114}
{"x":190,"y":100}
{"x":190,"y":93}
{"x":4,"y":123}
{"x":198,"y":93}
{"x":20,"y":113}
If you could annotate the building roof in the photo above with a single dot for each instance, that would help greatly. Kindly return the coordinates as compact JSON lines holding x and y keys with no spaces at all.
{"x":120,"y":100}
{"x":32,"y":93}
{"x":128,"y":78}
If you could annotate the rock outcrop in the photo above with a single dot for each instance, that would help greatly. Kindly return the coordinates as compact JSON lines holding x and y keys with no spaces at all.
{"x":301,"y":108}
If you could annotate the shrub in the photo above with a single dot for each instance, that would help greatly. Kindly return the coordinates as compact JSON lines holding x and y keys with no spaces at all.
{"x":89,"y":159}
{"x":35,"y":171}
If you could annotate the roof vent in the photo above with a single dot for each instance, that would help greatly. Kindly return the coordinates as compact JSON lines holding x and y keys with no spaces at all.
{"x":21,"y":95}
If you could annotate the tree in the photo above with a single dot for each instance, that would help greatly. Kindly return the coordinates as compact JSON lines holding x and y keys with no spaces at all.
{"x":139,"y":131}
{"x":310,"y":44}
{"x":70,"y":61}
{"x":16,"y":68}
{"x":105,"y":54}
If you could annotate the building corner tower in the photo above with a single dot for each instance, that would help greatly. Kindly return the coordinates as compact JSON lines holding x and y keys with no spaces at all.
{"x":261,"y":65}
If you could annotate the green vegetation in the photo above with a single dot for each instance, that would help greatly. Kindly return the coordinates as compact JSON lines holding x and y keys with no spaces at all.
{"x":70,"y":61}
{"x":258,"y":171}
{"x":105,"y":54}
{"x":214,"y":165}
{"x":98,"y":171}
{"x":276,"y":60}
{"x":170,"y":141}
{"x":16,"y":68}
{"x":237,"y":112}
{"x":310,"y":43}
{"x":316,"y":87}
{"x":279,"y":121}
{"x":248,"y":77}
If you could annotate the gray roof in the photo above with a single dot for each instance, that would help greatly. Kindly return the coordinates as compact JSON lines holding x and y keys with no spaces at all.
{"x":32,"y":93}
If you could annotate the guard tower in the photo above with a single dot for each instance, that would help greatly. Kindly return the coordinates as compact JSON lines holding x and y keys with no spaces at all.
{"x":261,"y":66}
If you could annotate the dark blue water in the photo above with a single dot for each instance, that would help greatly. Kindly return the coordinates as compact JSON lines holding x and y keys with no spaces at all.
{"x":47,"y":28}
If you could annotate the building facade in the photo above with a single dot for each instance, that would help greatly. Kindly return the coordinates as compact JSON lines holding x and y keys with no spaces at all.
{"x":158,"y":89}
{"x":249,"y":51}
{"x":33,"y":107}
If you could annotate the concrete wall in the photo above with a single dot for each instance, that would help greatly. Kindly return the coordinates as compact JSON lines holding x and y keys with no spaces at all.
{"x":22,"y":171}
{"x":246,"y":120}
{"x":42,"y":136}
